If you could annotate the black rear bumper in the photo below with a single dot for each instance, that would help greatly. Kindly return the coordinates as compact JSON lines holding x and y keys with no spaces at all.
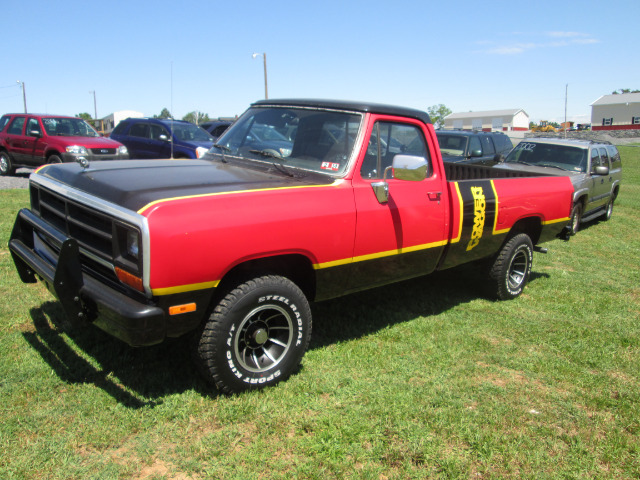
{"x":83,"y":298}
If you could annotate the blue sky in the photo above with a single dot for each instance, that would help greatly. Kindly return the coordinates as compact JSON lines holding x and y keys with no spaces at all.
{"x":197,"y":55}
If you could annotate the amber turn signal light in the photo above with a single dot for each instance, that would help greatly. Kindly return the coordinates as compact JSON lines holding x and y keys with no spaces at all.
{"x":186,"y":308}
{"x":129,"y":279}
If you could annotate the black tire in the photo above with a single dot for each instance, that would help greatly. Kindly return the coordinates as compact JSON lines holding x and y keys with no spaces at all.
{"x":609,"y":210}
{"x":512,"y":267}
{"x":54,"y":159}
{"x":576,"y":218}
{"x":6,"y":165}
{"x":256,"y":336}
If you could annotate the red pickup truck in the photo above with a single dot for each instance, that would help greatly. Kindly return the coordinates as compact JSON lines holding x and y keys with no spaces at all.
{"x":300,"y":200}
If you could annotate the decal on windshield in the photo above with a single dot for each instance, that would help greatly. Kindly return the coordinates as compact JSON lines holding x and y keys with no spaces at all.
{"x":526,"y":146}
{"x":334,"y":167}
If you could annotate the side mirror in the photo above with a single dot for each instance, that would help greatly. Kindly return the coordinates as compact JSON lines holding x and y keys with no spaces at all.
{"x":35,"y":133}
{"x":410,"y":167}
{"x":476,"y":153}
{"x":601,"y":170}
{"x":163,"y":137}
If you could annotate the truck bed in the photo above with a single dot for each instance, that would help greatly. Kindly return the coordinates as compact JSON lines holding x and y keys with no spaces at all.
{"x":456,"y":172}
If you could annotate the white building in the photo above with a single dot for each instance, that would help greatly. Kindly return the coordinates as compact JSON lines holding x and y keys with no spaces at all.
{"x":110,"y":121}
{"x":514,"y":119}
{"x":616,"y":112}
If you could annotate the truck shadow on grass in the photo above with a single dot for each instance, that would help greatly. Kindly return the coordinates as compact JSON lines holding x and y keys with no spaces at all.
{"x":142,"y":377}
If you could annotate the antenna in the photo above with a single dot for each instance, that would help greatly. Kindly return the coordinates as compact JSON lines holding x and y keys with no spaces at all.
{"x":171,"y":112}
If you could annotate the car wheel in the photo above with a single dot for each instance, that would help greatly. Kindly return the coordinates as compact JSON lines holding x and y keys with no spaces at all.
{"x":256,"y":336}
{"x":512,"y":267}
{"x":54,"y":159}
{"x":576,"y":217}
{"x":609,"y":210}
{"x":6,"y":166}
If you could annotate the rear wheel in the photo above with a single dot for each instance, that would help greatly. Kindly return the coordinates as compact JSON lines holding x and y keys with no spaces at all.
{"x":512,"y":267}
{"x":576,"y":217}
{"x":6,"y":166}
{"x":256,"y":336}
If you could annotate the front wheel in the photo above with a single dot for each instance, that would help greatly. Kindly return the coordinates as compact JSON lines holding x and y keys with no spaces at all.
{"x":576,"y":217}
{"x":512,"y":267}
{"x":256,"y":336}
{"x":6,"y":167}
{"x":609,"y":211}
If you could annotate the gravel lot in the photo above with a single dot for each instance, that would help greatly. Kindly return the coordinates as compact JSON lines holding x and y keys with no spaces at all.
{"x":19,"y":180}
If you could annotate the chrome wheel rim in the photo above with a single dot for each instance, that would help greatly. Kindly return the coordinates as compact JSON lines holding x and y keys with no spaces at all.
{"x":517,"y":269}
{"x":264,"y":338}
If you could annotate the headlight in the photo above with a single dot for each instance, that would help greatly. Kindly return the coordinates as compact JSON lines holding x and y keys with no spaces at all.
{"x":122,"y":150}
{"x":133,"y":248}
{"x":200,"y":151}
{"x":77,"y":150}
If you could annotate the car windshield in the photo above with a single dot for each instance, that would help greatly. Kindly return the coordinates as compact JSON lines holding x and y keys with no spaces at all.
{"x":452,"y":144}
{"x":191,"y":133}
{"x":566,"y":157}
{"x":317,"y":140}
{"x":68,"y":127}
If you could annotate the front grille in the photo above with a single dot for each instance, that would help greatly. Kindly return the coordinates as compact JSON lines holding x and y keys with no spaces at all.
{"x":99,"y":236}
{"x":103,"y":151}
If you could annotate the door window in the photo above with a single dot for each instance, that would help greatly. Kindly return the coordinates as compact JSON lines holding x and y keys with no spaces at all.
{"x":139,"y":130}
{"x":487,"y":145}
{"x":474,"y":144}
{"x":595,"y":160}
{"x":33,"y":127}
{"x":388,"y":140}
{"x":16,"y":126}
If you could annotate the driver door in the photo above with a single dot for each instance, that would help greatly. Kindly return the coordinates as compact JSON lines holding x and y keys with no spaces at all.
{"x":405,"y":236}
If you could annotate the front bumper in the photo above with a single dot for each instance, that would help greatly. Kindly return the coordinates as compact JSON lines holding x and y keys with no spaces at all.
{"x":83,"y":298}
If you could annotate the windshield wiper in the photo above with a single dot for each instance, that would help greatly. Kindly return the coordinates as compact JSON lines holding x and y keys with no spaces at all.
{"x":279,"y":165}
{"x":550,"y":166}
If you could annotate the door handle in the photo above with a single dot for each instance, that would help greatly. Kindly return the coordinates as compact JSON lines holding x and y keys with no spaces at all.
{"x":434,"y":196}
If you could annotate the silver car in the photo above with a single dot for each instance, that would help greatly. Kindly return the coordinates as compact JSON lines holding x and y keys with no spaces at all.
{"x":595,"y":169}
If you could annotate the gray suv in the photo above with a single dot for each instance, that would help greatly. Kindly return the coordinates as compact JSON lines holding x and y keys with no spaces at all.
{"x":595,"y":169}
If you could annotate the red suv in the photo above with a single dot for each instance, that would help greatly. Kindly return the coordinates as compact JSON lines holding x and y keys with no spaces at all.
{"x":31,"y":140}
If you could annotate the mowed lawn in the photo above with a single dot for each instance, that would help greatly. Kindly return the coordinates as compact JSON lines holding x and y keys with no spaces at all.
{"x":423,"y":379}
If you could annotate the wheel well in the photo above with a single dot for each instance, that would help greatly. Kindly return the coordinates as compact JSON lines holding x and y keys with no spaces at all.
{"x":583,"y":200}
{"x":296,"y":268}
{"x":532,"y":226}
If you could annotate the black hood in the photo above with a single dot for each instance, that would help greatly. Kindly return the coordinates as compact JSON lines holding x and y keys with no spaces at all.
{"x":133,"y":184}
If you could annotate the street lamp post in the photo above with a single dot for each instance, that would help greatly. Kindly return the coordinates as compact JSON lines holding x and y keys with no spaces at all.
{"x":264,"y":57}
{"x":24,"y":95}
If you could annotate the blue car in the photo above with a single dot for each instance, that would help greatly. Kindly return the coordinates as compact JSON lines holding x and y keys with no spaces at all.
{"x":162,"y":138}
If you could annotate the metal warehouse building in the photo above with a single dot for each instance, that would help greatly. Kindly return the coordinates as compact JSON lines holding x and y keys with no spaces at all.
{"x":616,"y":112}
{"x":493,"y":120}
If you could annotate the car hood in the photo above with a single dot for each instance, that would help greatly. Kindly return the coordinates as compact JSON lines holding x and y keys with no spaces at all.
{"x":577,"y":178}
{"x":133,"y":184}
{"x":91,"y":142}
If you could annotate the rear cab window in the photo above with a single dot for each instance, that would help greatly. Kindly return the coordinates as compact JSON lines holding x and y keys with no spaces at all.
{"x":15,"y":128}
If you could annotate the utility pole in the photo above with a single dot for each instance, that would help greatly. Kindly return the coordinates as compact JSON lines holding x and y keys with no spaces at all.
{"x":95,"y":108}
{"x":264,"y":57}
{"x":24,"y":95}
{"x":566,"y":93}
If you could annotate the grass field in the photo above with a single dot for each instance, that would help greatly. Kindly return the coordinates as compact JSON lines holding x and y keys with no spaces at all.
{"x":423,"y":379}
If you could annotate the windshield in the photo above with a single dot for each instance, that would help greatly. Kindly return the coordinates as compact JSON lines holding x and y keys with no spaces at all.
{"x":68,"y":127}
{"x":452,"y":144}
{"x":566,"y":157}
{"x":191,"y":133}
{"x":316,"y":140}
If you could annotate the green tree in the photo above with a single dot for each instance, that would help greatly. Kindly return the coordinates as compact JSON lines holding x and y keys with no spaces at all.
{"x":196,"y":117}
{"x":624,"y":90}
{"x":84,"y":116}
{"x":165,"y":113}
{"x":437,"y":114}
